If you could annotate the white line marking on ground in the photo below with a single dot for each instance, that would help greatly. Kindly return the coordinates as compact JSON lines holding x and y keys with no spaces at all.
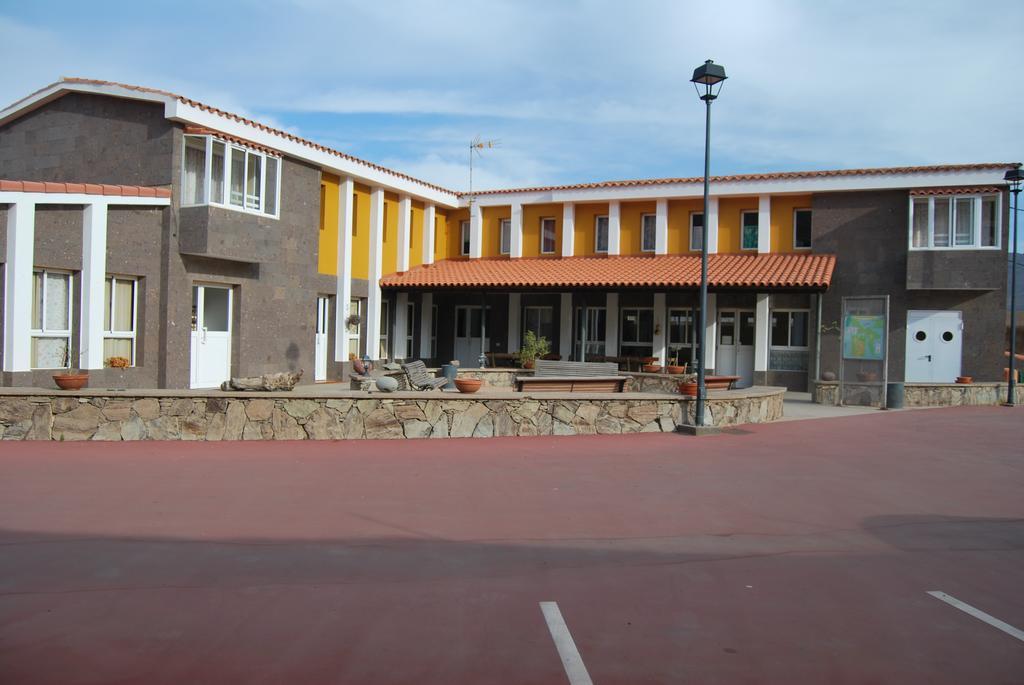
{"x":978,"y":614}
{"x":571,"y":660}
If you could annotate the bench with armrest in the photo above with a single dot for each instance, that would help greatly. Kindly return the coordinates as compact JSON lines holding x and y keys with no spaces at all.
{"x":420,"y":378}
{"x":559,"y":376}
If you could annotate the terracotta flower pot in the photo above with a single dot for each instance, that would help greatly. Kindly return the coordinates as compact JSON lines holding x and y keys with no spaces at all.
{"x":964,"y":380}
{"x":71,"y":381}
{"x":528,"y":364}
{"x":652,"y":368}
{"x":674,"y":370}
{"x":468,"y":385}
{"x":688,"y":388}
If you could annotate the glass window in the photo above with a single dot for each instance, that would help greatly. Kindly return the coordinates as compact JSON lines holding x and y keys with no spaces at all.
{"x":217,"y":181}
{"x":748,"y":237}
{"x":464,"y":238}
{"x":601,"y":234}
{"x":920,"y":222}
{"x":385,"y":319}
{"x":506,"y":237}
{"x":547,"y":236}
{"x":119,"y":304}
{"x":540,"y":320}
{"x":746,"y":328}
{"x":965,"y":222}
{"x":802,"y":229}
{"x":51,"y":320}
{"x":696,"y":231}
{"x":354,"y":325}
{"x":648,"y":233}
{"x":989,"y":222}
{"x":964,"y":215}
{"x":252,"y":179}
{"x":680,"y":335}
{"x":193,"y":189}
{"x":637,"y":326}
{"x":940,"y":231}
{"x":790,"y":328}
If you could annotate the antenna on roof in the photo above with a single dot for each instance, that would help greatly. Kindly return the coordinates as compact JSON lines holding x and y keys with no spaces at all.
{"x":476,"y":146}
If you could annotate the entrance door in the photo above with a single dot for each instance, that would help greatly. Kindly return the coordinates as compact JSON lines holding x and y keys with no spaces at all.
{"x":589,"y":334}
{"x":467,"y":336}
{"x":211,"y":335}
{"x":934,"y":346}
{"x":323,"y":313}
{"x":735,"y":356}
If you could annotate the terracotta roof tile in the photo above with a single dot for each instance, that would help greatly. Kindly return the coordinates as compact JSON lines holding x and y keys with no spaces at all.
{"x":808,"y":271}
{"x":83,"y":188}
{"x":963,"y":190}
{"x":204,"y":131}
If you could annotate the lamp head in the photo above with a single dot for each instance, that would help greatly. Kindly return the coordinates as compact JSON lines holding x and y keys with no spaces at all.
{"x":707,"y":80}
{"x":1014,"y":177}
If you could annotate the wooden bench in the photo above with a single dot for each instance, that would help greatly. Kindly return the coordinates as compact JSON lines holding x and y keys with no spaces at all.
{"x":720,"y":382}
{"x":419,"y":378}
{"x":558,"y":376}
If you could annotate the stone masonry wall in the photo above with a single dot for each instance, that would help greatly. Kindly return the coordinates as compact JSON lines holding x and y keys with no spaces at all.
{"x":933,"y":394}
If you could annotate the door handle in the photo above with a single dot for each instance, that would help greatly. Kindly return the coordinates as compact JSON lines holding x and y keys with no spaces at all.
{"x":928,"y":357}
{"x":204,"y":335}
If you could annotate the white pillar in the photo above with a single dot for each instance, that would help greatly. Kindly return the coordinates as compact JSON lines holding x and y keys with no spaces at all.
{"x":764,"y":224}
{"x":565,"y":327}
{"x":401,"y":326}
{"x":404,"y":233}
{"x":712,"y":219}
{"x":568,"y":228}
{"x":94,"y":272}
{"x":762,"y":327}
{"x":515,"y":312}
{"x":426,"y":324}
{"x":517,"y":231}
{"x":343,"y":285}
{"x":611,"y":325}
{"x":373,"y":323}
{"x":660,"y":334}
{"x":21,"y":230}
{"x":614,"y":227}
{"x":429,"y":221}
{"x":661,"y":227}
{"x":711,"y":332}
{"x":476,"y":231}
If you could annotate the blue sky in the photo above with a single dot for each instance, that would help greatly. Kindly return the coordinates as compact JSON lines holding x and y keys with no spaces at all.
{"x":575,"y":91}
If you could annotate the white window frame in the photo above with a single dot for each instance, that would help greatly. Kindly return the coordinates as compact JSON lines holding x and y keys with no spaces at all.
{"x":554,"y":235}
{"x":505,"y":236}
{"x":977,"y":200}
{"x":796,"y":211}
{"x":385,"y":331}
{"x":464,"y":238}
{"x":653,"y":232}
{"x":692,"y":227}
{"x":349,"y":334}
{"x":536,"y":307}
{"x":743,"y":217}
{"x":789,"y":328}
{"x":690,"y":346}
{"x":224,"y":201}
{"x":44,"y":332}
{"x":121,"y":335}
{"x":597,"y":234}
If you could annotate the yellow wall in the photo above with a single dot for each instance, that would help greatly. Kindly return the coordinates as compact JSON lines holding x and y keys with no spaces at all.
{"x":630,"y":231}
{"x":729,"y":211}
{"x":327,"y":262}
{"x":585,"y":226}
{"x":532,"y":214}
{"x":679,"y":212}
{"x":416,"y":232}
{"x":361,"y":232}
{"x":451,"y":244}
{"x":492,"y":217}
{"x":782,"y":220}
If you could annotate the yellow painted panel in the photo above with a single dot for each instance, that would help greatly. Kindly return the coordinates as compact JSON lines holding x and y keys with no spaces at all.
{"x":492,"y":218}
{"x":389,"y":255}
{"x":455,"y":218}
{"x":630,"y":230}
{"x":679,"y":212}
{"x":532,"y":214}
{"x":782,"y":220}
{"x":417,"y":232}
{"x":729,"y":211}
{"x":327,"y":247}
{"x":440,"y":235}
{"x":361,"y":232}
{"x":586,"y":226}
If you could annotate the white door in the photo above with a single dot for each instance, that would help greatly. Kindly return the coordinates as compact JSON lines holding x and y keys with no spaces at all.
{"x":467,"y":336}
{"x":934,"y":346}
{"x":323,"y":313}
{"x":735,"y":355}
{"x":589,"y":334}
{"x":211,"y":335}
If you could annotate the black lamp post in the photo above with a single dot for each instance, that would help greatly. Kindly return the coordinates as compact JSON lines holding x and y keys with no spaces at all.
{"x":707,"y":79}
{"x":1013,"y":178}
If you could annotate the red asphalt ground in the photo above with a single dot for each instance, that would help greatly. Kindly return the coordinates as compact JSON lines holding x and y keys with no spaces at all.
{"x":797,"y":552}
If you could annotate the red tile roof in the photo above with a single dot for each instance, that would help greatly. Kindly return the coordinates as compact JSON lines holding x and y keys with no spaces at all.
{"x":806,"y":271}
{"x":83,"y":188}
{"x":204,"y":131}
{"x":965,"y":190}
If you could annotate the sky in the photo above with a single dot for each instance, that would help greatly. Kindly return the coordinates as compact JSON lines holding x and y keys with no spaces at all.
{"x":573,"y":91}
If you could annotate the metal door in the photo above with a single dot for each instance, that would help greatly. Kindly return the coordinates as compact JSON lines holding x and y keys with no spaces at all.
{"x":934,"y":346}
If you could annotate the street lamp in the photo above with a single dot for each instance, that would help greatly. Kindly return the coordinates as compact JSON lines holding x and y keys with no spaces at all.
{"x":707,"y":79}
{"x":1013,"y":178}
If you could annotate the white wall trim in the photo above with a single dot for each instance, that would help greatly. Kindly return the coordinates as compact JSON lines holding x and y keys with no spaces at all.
{"x":373,"y":302}
{"x":762,"y":329}
{"x":661,"y":227}
{"x":660,"y":325}
{"x":21,"y":226}
{"x":711,"y":332}
{"x":476,"y":232}
{"x":712,"y":222}
{"x":343,"y":285}
{"x":12,"y":197}
{"x":565,"y":327}
{"x":517,"y":231}
{"x":404,"y":233}
{"x":400,"y":344}
{"x":764,"y":224}
{"x":429,"y":227}
{"x":614,"y":229}
{"x":568,"y":229}
{"x":94,"y":272}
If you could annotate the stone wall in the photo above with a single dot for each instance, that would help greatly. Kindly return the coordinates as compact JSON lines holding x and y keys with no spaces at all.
{"x":932,"y":394}
{"x":288,"y":416}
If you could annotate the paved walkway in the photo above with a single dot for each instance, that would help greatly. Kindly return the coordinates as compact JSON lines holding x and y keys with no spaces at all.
{"x":798,"y":405}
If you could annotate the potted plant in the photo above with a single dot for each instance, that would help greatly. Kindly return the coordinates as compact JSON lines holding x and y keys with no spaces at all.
{"x":534,"y":347}
{"x":675,"y":368}
{"x":651,"y":368}
{"x":72,"y":379}
{"x":688,"y":385}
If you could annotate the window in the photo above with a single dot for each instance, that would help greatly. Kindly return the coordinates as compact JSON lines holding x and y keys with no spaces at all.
{"x":601,"y":234}
{"x":540,"y":320}
{"x":790,"y":328}
{"x":648,"y":233}
{"x":382,"y":352}
{"x":637,"y":331}
{"x":120,"y":299}
{"x":748,"y":233}
{"x":354,"y":325}
{"x":219,"y":173}
{"x":410,"y":319}
{"x":680,"y":335}
{"x":505,"y":246}
{"x":51,"y":320}
{"x":801,"y":229}
{"x":960,"y":222}
{"x":433,"y":330}
{"x":464,"y":238}
{"x":696,"y":231}
{"x":547,"y":236}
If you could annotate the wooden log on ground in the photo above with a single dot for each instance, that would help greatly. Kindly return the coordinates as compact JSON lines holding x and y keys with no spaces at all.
{"x":268,"y":381}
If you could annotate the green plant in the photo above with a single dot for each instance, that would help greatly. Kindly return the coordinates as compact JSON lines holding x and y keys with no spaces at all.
{"x":533,"y":348}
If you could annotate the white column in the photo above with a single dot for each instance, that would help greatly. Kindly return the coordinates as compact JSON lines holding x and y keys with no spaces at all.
{"x":611,"y":325}
{"x":517,"y":231}
{"x":429,"y":221}
{"x":401,"y":326}
{"x":614,"y":228}
{"x":476,"y":231}
{"x":94,"y":272}
{"x":661,"y":227}
{"x":660,"y":332}
{"x":764,"y":224}
{"x":711,"y":331}
{"x":343,"y":286}
{"x":515,"y":312}
{"x":404,"y":232}
{"x":21,"y":230}
{"x":565,"y":327}
{"x":426,"y":323}
{"x":373,"y":323}
{"x":762,"y":326}
{"x":712,"y":219}
{"x":568,"y":228}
